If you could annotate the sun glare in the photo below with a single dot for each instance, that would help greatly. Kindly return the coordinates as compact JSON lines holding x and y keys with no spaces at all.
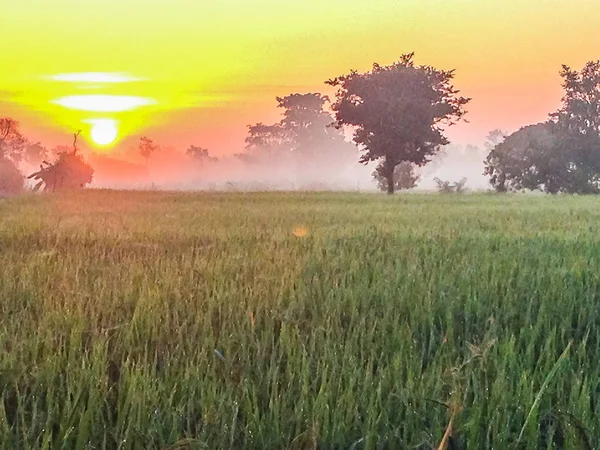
{"x":104,"y":131}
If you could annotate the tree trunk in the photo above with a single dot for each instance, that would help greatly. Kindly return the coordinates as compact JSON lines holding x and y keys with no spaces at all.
{"x":390,"y":181}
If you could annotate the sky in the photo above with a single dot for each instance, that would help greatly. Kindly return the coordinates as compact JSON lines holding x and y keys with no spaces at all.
{"x":198,"y":72}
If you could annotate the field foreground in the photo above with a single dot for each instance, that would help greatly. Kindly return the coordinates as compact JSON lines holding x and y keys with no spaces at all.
{"x":299,"y":321}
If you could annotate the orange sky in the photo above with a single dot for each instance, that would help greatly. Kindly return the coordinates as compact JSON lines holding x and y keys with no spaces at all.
{"x":211,"y":68}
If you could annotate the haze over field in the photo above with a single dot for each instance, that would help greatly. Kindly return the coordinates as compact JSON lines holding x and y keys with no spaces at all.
{"x":107,"y":69}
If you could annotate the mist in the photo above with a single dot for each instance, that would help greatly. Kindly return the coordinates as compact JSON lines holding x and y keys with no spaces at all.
{"x":172,"y":169}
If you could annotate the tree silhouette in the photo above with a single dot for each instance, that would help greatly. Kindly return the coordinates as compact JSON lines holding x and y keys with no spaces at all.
{"x":562,"y":154}
{"x":147,"y":147}
{"x":200,"y":155}
{"x":69,"y":171}
{"x":12,"y":141}
{"x":304,"y":138}
{"x":398,"y":111}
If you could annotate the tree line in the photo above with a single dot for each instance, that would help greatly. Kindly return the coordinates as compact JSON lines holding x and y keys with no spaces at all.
{"x":398,"y":115}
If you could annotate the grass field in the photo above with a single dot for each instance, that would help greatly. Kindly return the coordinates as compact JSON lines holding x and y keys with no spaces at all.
{"x":299,"y":321}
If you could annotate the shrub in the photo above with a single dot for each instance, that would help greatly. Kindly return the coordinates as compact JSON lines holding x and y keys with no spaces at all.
{"x":448,"y":187}
{"x":69,"y":171}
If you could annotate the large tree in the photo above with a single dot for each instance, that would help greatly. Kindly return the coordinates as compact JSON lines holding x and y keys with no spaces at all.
{"x":562,"y":154}
{"x":303,"y":138}
{"x":398,"y":112}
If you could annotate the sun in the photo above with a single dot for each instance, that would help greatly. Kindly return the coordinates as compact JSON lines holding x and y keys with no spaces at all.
{"x":104,"y":131}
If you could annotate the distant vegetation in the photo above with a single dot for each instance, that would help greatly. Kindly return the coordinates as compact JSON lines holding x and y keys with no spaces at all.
{"x":299,"y":321}
{"x":398,"y":115}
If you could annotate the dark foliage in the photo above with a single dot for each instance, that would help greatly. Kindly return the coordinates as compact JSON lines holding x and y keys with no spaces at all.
{"x":69,"y":171}
{"x":398,"y":111}
{"x":403,"y":175}
{"x":561,"y":155}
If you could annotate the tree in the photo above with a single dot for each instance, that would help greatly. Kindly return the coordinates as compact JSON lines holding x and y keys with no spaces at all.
{"x":398,"y":111}
{"x":147,"y":147}
{"x":494,"y":138}
{"x":200,"y":155}
{"x":69,"y":171}
{"x":12,"y":141}
{"x":562,"y":154}
{"x":403,"y":175}
{"x":527,"y":159}
{"x":304,"y":138}
{"x":267,"y":143}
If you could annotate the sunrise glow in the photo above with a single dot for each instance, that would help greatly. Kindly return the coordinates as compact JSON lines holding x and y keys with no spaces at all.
{"x":188,"y":71}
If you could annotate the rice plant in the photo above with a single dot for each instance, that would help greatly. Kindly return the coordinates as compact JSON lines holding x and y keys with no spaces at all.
{"x":154,"y":320}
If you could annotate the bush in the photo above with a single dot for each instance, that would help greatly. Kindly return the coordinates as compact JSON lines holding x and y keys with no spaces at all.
{"x":11,"y":180}
{"x":70,"y":171}
{"x":448,"y":187}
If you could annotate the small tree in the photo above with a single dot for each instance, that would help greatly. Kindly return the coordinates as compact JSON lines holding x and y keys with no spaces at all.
{"x":398,"y":111}
{"x":403,"y":174}
{"x":12,"y":141}
{"x":494,"y":138}
{"x":147,"y":147}
{"x":200,"y":155}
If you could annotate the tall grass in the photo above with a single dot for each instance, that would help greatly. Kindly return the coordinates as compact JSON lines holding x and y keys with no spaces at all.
{"x":204,"y":321}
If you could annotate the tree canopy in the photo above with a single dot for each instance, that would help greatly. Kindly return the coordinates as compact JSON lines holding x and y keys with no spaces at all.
{"x":146,"y":148}
{"x":398,"y":112}
{"x":562,"y":154}
{"x":200,"y":155}
{"x":12,"y":141}
{"x":303,"y":139}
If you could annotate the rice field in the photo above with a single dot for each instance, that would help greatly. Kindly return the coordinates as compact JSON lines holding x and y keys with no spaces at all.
{"x":297,"y":321}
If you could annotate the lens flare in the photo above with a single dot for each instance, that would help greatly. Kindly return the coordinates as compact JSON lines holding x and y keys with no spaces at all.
{"x":300,"y":231}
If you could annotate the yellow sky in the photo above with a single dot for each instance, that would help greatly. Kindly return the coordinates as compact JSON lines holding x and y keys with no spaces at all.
{"x":212,"y":67}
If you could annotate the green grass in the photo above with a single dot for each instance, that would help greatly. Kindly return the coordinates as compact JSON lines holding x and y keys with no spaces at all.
{"x":200,"y":321}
